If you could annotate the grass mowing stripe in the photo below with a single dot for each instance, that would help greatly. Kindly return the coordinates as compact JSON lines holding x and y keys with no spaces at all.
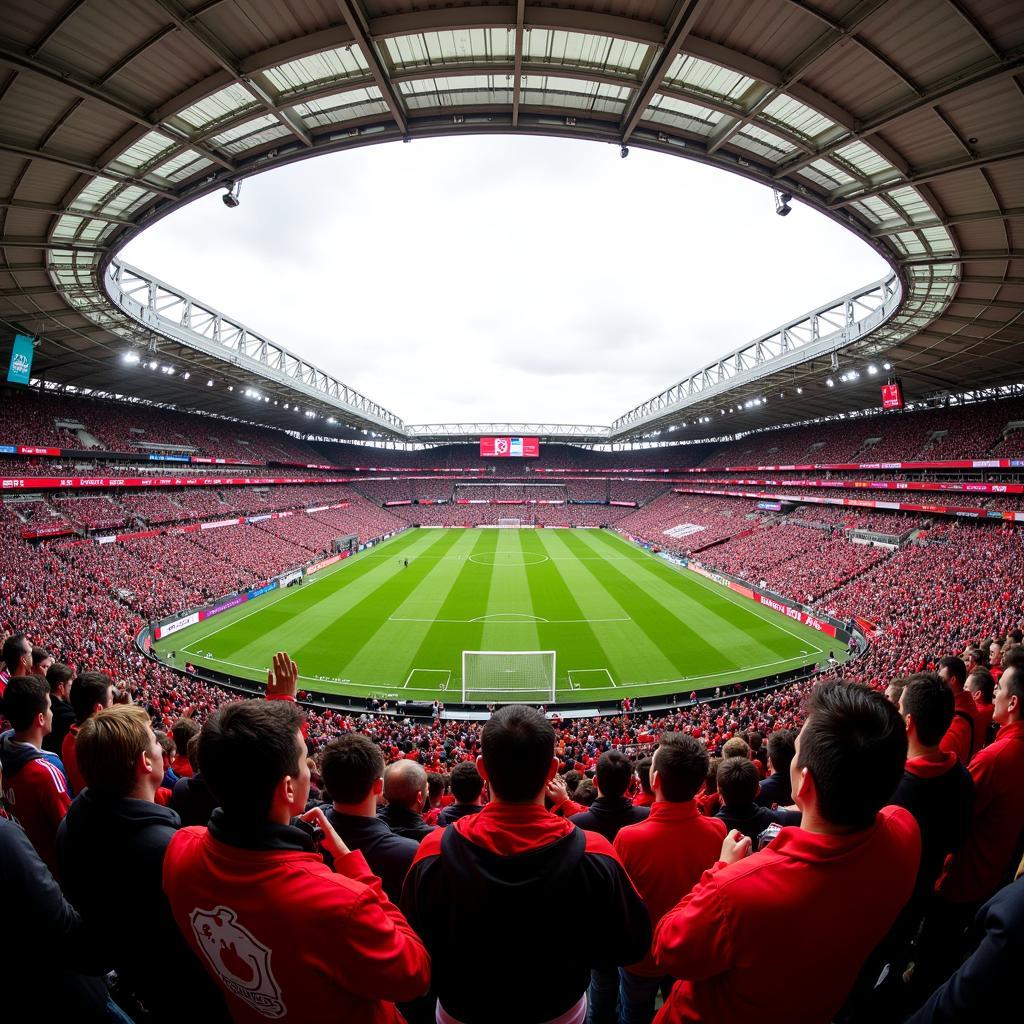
{"x":629,"y":652}
{"x":508,"y":596}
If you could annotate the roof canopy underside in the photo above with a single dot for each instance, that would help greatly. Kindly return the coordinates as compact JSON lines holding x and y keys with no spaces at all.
{"x":901,"y":119}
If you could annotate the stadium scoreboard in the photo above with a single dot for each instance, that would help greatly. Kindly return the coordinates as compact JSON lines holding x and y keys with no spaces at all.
{"x":509,"y":447}
{"x":892,"y":395}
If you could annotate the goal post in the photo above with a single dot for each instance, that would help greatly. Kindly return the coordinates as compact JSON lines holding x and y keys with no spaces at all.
{"x":504,"y":677}
{"x":510,"y":523}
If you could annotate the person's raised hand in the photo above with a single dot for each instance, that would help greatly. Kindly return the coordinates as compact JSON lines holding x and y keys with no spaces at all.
{"x":283,"y":677}
{"x":331,"y":842}
{"x":556,"y":791}
{"x":735,"y":847}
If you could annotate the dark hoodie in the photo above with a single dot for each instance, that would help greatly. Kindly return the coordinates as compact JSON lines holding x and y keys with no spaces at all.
{"x":607,"y":814}
{"x":484,"y":895}
{"x":111,"y":852}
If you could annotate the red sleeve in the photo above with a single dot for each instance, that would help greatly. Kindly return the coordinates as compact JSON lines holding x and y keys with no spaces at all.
{"x":390,"y":960}
{"x":693,"y":940}
{"x":567,"y":808}
{"x":959,"y":738}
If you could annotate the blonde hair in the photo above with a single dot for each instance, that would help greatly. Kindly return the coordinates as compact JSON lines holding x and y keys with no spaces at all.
{"x":108,"y":746}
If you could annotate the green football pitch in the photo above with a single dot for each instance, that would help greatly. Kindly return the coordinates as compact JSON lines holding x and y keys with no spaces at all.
{"x":622,"y":622}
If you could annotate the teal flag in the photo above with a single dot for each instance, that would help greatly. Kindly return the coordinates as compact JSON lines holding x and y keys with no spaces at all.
{"x":20,"y":369}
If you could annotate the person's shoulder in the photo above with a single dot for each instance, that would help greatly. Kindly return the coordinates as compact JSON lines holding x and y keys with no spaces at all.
{"x":899,"y":823}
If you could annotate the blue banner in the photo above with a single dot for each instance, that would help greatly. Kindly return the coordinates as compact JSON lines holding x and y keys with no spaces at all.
{"x":8,"y":449}
{"x":266,"y":588}
{"x":20,"y":370}
{"x":169,"y":458}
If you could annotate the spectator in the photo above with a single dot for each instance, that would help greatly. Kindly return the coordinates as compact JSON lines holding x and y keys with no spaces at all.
{"x":894,"y":689}
{"x":612,"y":809}
{"x":986,"y":984}
{"x":16,"y":656}
{"x":708,"y":799}
{"x":191,"y":798}
{"x":182,"y":732}
{"x":645,"y":798}
{"x":42,"y":659}
{"x":736,"y":746}
{"x":116,"y":821}
{"x":468,"y":790}
{"x":58,"y":678}
{"x":737,"y":788}
{"x":352,"y":768}
{"x":496,"y":876}
{"x":966,"y":735}
{"x":436,"y":785}
{"x":775,"y":790}
{"x":90,"y":692}
{"x":276,"y":928}
{"x":981,"y":686}
{"x":405,"y":788}
{"x":54,"y":963}
{"x":849,"y":759}
{"x":35,"y":789}
{"x":665,"y":857}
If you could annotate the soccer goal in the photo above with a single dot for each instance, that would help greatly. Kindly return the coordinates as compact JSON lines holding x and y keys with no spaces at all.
{"x":510,"y":524}
{"x":526,"y":677}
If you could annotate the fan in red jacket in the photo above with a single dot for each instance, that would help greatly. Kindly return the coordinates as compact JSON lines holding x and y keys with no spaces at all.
{"x":285,"y":937}
{"x":832,"y":886}
{"x":665,"y":857}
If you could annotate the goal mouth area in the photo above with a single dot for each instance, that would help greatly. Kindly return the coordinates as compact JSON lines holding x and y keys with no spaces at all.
{"x":526,"y":677}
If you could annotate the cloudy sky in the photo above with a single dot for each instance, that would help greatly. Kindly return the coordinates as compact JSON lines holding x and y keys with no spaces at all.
{"x":505,"y":278}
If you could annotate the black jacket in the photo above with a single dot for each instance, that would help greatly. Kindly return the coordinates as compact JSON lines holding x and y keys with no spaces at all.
{"x":388,"y":855}
{"x":753,"y":820}
{"x":193,"y":800}
{"x":111,"y":854}
{"x":453,"y":812}
{"x":405,"y":823}
{"x":607,"y":814}
{"x":63,"y":719}
{"x":774,"y":790}
{"x":46,"y":942}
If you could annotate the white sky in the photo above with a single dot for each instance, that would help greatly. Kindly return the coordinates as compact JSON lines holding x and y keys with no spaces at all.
{"x":505,"y":278}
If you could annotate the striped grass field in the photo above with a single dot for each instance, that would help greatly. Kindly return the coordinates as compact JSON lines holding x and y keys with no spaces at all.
{"x":622,"y":621}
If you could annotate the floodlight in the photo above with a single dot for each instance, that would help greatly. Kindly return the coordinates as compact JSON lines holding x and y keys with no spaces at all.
{"x":782,"y":201}
{"x":231,"y":197}
{"x":624,"y":152}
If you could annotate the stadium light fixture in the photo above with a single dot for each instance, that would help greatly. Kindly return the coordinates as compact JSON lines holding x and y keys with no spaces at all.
{"x":624,"y":151}
{"x":209,"y":383}
{"x":886,"y":366}
{"x":152,"y":364}
{"x":799,"y":391}
{"x":131,"y":357}
{"x":186,"y":375}
{"x":231,"y":197}
{"x":872,"y":369}
{"x":830,"y":382}
{"x":782,"y":201}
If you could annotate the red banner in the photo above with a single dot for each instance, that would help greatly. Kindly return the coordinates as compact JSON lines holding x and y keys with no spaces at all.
{"x":43,"y":483}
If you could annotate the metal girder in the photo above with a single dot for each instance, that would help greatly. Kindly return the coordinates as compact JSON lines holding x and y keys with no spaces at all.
{"x":435,"y":431}
{"x":179,"y":317}
{"x":359,"y":28}
{"x":227,"y":61}
{"x":517,"y":66}
{"x":676,"y":31}
{"x":24,"y":204}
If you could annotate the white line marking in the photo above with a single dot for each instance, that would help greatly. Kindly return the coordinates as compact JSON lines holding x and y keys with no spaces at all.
{"x":532,"y":621}
{"x":582,"y":671}
{"x":446,"y":672}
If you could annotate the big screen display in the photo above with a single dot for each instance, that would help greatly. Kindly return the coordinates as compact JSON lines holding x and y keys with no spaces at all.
{"x":892,"y":396}
{"x":509,"y":447}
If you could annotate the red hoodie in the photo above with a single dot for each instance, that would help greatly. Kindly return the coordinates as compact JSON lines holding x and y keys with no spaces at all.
{"x":976,"y":871}
{"x":834,"y":896}
{"x":966,"y":734}
{"x":287,"y":938}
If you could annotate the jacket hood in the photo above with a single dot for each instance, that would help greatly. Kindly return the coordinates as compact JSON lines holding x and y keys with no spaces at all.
{"x":118,"y":814}
{"x":931,"y":766}
{"x":14,"y":756}
{"x":506,"y":829}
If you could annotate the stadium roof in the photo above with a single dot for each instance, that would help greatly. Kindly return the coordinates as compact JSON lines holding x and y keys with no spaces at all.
{"x":903,"y":120}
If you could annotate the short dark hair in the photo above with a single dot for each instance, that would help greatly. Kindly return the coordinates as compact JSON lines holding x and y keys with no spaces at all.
{"x":1013,"y":680}
{"x":1013,"y":658}
{"x":854,"y":744}
{"x":183,"y":730}
{"x":781,"y":748}
{"x":614,"y":770}
{"x":24,"y":698}
{"x":682,"y":765}
{"x":88,"y":690}
{"x":929,"y":701}
{"x":467,"y":784}
{"x":349,"y":766}
{"x":643,"y":772}
{"x":955,"y":668}
{"x":984,"y":683}
{"x":245,"y":749}
{"x":586,"y":793}
{"x":436,"y":784}
{"x":58,"y":674}
{"x":16,"y":646}
{"x":517,"y":744}
{"x":39,"y":655}
{"x":737,"y":781}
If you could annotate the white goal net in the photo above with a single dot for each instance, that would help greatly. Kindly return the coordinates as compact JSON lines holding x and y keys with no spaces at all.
{"x":509,"y":523}
{"x":501,"y":677}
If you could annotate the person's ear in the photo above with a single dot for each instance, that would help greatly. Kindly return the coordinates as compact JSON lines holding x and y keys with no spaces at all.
{"x":378,"y":786}
{"x":144,"y":763}
{"x":552,"y":770}
{"x":482,"y":769}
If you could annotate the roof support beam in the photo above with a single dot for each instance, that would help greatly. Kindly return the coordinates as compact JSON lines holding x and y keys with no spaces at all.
{"x":979,"y":256}
{"x":960,"y":218}
{"x":360,"y":28}
{"x":517,"y":67}
{"x":678,"y":28}
{"x":57,"y":211}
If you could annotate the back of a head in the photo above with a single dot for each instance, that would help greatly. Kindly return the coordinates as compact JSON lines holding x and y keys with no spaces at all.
{"x":854,"y":744}
{"x":643,"y":773}
{"x":245,"y":749}
{"x":404,"y":784}
{"x":24,"y":699}
{"x":956,"y":670}
{"x":781,"y":748}
{"x":467,"y":784}
{"x":737,"y":781}
{"x":183,"y":730}
{"x":1013,"y":657}
{"x":735,"y":747}
{"x":108,"y":748}
{"x":88,"y":690}
{"x":349,"y":766}
{"x":930,"y":703}
{"x":435,"y":785}
{"x":681,"y":764}
{"x":58,"y":675}
{"x":517,"y":746}
{"x":614,"y":770}
{"x":14,"y":648}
